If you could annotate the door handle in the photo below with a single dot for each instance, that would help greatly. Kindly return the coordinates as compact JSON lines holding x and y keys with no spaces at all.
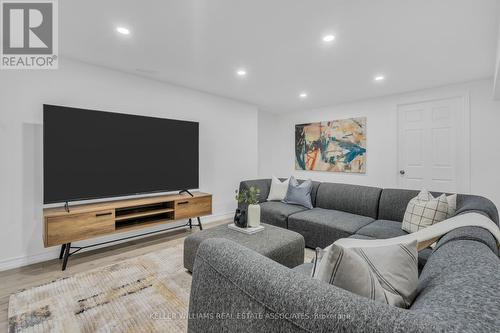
{"x":402,"y":172}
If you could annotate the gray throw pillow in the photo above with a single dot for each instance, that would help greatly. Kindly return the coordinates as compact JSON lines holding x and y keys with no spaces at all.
{"x":299,"y":194}
{"x":387,"y":274}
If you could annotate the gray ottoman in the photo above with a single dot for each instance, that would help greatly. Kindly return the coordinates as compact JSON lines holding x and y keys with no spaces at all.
{"x":281,"y":245}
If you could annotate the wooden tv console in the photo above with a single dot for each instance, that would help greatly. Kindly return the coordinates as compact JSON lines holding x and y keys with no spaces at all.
{"x":63,"y":227}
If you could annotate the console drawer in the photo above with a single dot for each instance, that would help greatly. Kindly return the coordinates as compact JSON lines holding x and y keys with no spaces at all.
{"x":193,"y":207}
{"x":73,"y":227}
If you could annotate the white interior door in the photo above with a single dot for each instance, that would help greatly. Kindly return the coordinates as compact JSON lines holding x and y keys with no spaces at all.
{"x":433,"y":146}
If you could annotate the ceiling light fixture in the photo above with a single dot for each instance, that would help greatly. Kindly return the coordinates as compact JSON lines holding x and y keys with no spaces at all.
{"x":328,"y":38}
{"x":241,"y":72}
{"x":303,"y":95}
{"x":123,"y":30}
{"x":379,"y":78}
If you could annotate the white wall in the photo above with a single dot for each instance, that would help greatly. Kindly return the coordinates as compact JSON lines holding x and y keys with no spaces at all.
{"x":228,"y":140}
{"x":267,"y":122}
{"x":497,"y":63}
{"x":381,"y":113}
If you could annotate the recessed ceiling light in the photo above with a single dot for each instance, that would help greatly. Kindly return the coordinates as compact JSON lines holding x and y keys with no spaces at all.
{"x":328,"y":38}
{"x":303,"y":95}
{"x":123,"y":30}
{"x":241,"y":72}
{"x":379,"y":78}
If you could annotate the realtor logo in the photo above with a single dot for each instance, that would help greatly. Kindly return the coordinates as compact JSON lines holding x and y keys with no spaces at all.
{"x":29,"y":34}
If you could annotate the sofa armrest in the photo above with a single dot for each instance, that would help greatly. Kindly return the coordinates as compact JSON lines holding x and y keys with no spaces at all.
{"x":264,"y":185}
{"x":458,"y":286}
{"x":235,"y":289}
{"x":471,"y":233}
{"x":476,"y":204}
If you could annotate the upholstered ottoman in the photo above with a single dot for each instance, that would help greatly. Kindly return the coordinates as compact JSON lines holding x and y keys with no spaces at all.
{"x":281,"y":245}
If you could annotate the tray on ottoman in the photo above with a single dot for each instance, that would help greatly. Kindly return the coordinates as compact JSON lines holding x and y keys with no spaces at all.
{"x":281,"y":245}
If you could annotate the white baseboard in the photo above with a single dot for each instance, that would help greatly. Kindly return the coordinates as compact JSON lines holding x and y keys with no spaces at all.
{"x":29,"y":259}
{"x":53,"y":253}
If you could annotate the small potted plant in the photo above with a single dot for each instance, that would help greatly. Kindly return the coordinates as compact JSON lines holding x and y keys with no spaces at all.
{"x":250,"y":199}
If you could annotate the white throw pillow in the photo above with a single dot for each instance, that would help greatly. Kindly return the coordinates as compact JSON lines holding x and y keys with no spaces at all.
{"x":278,"y":189}
{"x":452,"y":208}
{"x":424,"y":210}
{"x":387,"y":274}
{"x":452,"y":205}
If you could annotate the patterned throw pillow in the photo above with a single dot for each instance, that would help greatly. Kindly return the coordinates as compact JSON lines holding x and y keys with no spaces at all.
{"x":424,"y":210}
{"x":387,"y":274}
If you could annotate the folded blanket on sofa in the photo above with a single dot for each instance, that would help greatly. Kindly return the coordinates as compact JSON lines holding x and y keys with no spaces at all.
{"x":429,"y":235}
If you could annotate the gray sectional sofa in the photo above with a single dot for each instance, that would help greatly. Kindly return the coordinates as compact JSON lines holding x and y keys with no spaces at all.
{"x":235,"y":289}
{"x":345,"y":210}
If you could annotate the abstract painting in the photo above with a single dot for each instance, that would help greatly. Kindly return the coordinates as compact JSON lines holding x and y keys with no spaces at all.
{"x":336,"y":146}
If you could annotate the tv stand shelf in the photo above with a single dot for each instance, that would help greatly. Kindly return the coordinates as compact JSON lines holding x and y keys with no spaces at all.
{"x":111,"y":217}
{"x":143,"y":213}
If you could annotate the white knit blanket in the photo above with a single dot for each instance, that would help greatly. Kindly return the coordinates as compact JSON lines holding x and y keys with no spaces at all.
{"x":429,"y":235}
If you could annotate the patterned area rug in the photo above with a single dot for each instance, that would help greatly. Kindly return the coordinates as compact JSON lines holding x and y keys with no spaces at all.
{"x":149,"y":293}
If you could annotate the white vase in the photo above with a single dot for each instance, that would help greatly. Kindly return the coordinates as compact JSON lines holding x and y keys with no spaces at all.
{"x":253,"y":216}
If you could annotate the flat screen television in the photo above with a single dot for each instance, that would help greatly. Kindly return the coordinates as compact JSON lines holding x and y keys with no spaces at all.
{"x":93,"y":154}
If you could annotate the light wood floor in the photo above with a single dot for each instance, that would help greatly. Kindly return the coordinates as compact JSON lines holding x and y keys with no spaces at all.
{"x":25,"y":277}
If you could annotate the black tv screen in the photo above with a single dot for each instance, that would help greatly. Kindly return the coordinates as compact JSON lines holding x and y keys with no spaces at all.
{"x":94,"y":154}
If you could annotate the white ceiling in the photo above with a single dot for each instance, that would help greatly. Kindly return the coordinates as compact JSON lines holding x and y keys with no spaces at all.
{"x":200,"y":43}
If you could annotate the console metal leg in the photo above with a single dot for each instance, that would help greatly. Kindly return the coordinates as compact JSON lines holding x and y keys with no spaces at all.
{"x":199,"y":223}
{"x":66,"y":255}
{"x":190,"y":224}
{"x":63,"y":247}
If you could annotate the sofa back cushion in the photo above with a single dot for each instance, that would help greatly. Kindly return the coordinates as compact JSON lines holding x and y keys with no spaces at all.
{"x":467,"y":203}
{"x":393,"y":203}
{"x":354,"y":199}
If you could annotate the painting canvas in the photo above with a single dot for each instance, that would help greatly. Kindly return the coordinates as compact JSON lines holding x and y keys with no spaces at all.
{"x":336,"y":146}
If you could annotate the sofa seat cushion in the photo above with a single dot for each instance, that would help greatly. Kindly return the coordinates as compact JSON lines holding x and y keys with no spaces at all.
{"x":321,"y":227}
{"x":276,"y":213}
{"x":381,"y":229}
